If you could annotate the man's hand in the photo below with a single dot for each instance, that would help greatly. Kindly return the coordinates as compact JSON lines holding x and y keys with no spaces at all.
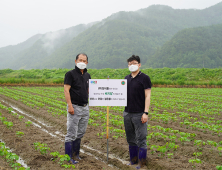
{"x":144,"y":118}
{"x":71,"y":110}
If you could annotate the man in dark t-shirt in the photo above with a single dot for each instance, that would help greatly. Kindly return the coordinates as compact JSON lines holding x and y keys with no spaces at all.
{"x":76,"y":89}
{"x":136,"y":111}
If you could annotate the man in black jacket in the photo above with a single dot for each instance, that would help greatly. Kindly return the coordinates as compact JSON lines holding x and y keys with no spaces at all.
{"x":76,"y":89}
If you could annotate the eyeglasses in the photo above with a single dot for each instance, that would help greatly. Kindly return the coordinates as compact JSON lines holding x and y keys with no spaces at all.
{"x":132,"y":64}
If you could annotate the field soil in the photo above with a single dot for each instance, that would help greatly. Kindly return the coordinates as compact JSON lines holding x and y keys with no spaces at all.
{"x":53,"y":130}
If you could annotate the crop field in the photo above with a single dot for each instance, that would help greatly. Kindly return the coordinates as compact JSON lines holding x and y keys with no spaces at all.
{"x":184,"y":131}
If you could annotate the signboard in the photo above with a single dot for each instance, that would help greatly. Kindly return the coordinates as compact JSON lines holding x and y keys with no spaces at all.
{"x":107,"y":92}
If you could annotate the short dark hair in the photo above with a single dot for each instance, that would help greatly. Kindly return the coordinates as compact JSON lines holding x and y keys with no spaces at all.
{"x":81,"y":54}
{"x":134,"y":57}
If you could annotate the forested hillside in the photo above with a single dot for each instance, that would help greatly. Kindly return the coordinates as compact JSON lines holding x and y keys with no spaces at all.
{"x":37,"y":48}
{"x":9,"y":53}
{"x":191,"y":48}
{"x":111,"y":41}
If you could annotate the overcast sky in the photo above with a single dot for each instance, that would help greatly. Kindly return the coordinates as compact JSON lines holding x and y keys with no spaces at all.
{"x":21,"y":19}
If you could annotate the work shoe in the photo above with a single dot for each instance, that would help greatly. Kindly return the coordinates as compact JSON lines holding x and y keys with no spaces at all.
{"x":76,"y":148}
{"x":133,"y":152}
{"x":142,"y":157}
{"x":68,"y":151}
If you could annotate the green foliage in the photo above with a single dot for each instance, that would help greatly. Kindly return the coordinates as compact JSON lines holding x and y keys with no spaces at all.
{"x":191,"y":48}
{"x":220,"y":150}
{"x":63,"y":158}
{"x":195,"y":161}
{"x":41,"y":147}
{"x":68,"y":166}
{"x":219,"y":167}
{"x":9,"y":109}
{"x":28,"y":123}
{"x":160,"y":76}
{"x":8,"y":124}
{"x":11,"y":157}
{"x":21,"y":117}
{"x":19,"y":134}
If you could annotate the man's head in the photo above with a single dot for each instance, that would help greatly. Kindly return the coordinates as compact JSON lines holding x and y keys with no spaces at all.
{"x":81,"y":60}
{"x":134,"y":63}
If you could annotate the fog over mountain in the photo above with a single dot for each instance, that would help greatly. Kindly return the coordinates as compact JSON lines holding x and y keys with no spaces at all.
{"x":111,"y":41}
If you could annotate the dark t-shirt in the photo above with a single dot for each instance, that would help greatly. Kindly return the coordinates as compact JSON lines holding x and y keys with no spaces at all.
{"x":136,"y":92}
{"x":79,"y":85}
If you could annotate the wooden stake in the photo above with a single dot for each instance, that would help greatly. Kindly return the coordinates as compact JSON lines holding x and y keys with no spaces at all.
{"x":107,"y":132}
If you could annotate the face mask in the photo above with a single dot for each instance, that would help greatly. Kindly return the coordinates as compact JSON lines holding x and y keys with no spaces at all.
{"x":133,"y":68}
{"x":81,"y":65}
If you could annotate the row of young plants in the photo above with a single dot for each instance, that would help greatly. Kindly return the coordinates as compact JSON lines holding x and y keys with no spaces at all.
{"x":176,"y":113}
{"x":170,"y":136}
{"x":61,"y":159}
{"x":41,"y":91}
{"x":175,"y":136}
{"x":35,"y":101}
{"x":10,"y":110}
{"x":114,"y":120}
{"x":10,"y":157}
{"x":163,"y":117}
{"x":172,"y":115}
{"x":42,"y":148}
{"x":188,"y":121}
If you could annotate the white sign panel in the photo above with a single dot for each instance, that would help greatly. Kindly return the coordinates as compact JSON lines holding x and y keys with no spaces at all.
{"x":107,"y":92}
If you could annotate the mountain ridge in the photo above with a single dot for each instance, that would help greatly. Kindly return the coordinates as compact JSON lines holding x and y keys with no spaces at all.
{"x":111,"y":41}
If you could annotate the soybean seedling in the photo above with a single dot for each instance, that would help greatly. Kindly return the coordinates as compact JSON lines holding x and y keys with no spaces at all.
{"x":41,"y":147}
{"x":19,"y":134}
{"x":14,"y":114}
{"x":196,"y":160}
{"x":68,"y":166}
{"x":219,"y":167}
{"x":54,"y":154}
{"x":63,"y":158}
{"x":220,"y":150}
{"x":170,"y":155}
{"x":21,"y":117}
{"x":152,"y":149}
{"x":162,"y":150}
{"x":9,"y":109}
{"x":8,"y":124}
{"x":28,"y":123}
{"x":193,"y":161}
{"x":199,"y":144}
{"x":196,"y":154}
{"x":3,"y":119}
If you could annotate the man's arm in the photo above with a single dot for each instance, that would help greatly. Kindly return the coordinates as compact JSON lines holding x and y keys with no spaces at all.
{"x":68,"y":98}
{"x":147,"y":105}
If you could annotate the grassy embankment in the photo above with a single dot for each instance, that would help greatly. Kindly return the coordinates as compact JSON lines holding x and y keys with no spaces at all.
{"x":159,"y":76}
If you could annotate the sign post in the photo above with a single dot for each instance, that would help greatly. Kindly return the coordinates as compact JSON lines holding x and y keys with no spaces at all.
{"x":107,"y":132}
{"x":107,"y":92}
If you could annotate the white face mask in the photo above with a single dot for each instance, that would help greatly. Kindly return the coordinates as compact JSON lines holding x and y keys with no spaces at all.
{"x":133,"y":68}
{"x":81,"y":65}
